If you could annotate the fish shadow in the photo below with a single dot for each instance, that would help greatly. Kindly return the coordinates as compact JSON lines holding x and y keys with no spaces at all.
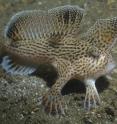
{"x":77,"y":86}
{"x":49,"y":74}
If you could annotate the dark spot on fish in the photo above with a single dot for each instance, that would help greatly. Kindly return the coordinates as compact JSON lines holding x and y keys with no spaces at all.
{"x":55,"y":39}
{"x":12,"y":31}
{"x":66,"y":16}
{"x":73,"y":15}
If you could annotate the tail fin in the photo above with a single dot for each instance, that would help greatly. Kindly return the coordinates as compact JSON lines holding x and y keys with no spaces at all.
{"x":11,"y":67}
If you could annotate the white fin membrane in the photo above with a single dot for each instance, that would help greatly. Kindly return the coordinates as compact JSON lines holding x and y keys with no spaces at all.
{"x":15,"y":69}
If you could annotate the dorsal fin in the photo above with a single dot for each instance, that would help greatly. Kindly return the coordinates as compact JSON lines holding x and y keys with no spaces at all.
{"x":36,"y":24}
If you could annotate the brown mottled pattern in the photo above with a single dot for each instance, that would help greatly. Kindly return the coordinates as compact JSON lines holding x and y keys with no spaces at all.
{"x":37,"y":37}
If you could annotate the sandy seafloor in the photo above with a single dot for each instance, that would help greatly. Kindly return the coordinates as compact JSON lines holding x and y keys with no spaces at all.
{"x":19,"y":94}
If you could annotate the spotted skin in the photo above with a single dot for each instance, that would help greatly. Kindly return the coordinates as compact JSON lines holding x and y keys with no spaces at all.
{"x":38,"y":37}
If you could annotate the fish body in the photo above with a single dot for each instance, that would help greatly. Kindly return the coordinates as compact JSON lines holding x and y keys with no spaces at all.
{"x":50,"y":37}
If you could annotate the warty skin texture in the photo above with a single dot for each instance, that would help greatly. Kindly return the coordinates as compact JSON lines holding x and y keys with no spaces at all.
{"x":49,"y":37}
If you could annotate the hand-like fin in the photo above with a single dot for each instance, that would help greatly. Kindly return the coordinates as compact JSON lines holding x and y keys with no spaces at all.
{"x":48,"y":25}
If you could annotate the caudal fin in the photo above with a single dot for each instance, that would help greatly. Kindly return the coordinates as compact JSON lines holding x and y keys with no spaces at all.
{"x":11,"y":67}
